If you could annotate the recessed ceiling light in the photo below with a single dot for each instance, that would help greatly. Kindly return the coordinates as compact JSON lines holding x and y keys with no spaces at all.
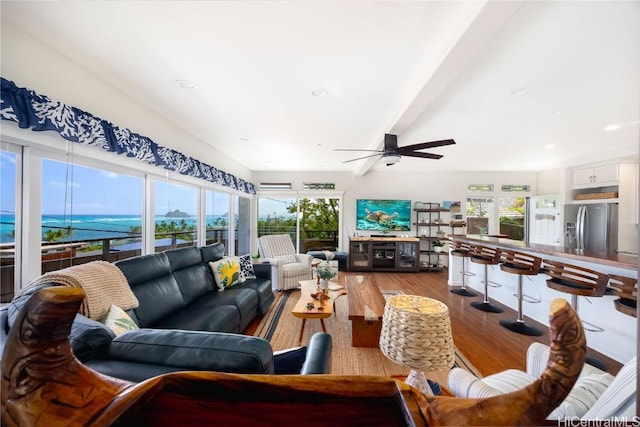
{"x":556,"y":113}
{"x":319,"y":93}
{"x":244,"y":138}
{"x":612,"y":127}
{"x":520,"y":91}
{"x":186,"y":84}
{"x":549,"y":146}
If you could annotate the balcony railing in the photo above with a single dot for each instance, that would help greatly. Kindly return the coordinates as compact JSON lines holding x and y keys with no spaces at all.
{"x":56,"y":256}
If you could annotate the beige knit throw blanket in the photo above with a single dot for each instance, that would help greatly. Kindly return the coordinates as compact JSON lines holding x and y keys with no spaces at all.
{"x":103,"y":283}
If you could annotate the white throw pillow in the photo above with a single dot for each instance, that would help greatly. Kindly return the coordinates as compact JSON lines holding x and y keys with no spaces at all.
{"x":118,"y":320}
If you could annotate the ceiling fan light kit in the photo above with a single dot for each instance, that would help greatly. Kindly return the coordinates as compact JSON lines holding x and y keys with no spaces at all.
{"x":392,"y":153}
{"x":390,"y":159}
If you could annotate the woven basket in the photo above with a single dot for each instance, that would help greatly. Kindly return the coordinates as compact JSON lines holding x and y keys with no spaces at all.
{"x":595,"y":196}
{"x":416,"y":332}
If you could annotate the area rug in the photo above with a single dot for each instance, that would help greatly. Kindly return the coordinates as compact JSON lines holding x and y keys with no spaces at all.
{"x":282,"y":330}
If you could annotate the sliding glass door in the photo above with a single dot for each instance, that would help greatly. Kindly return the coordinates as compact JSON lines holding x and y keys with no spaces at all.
{"x":312,"y":223}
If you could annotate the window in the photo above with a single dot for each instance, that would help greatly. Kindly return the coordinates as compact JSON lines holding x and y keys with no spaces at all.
{"x":277,"y":215}
{"x":479,"y":214}
{"x":88,"y":214}
{"x":176,"y":216}
{"x":319,"y":224}
{"x":512,"y":217}
{"x":8,"y":185}
{"x":217,"y":217}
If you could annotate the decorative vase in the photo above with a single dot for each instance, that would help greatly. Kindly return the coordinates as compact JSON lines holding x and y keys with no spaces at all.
{"x":324,"y":284}
{"x":437,"y":249}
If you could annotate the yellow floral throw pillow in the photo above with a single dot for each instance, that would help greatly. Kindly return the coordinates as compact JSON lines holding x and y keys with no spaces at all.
{"x":227,"y":272}
{"x":118,"y":320}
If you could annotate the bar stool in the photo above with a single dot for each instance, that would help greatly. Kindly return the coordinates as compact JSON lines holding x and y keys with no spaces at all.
{"x":576,"y":281}
{"x":461,"y":250}
{"x":486,"y":256}
{"x":626,"y":288}
{"x":523,"y":265}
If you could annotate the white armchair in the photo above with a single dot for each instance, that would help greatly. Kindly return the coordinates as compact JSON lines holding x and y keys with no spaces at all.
{"x":291,"y":267}
{"x":595,"y":395}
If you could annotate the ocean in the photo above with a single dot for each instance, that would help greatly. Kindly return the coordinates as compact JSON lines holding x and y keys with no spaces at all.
{"x":87,"y":227}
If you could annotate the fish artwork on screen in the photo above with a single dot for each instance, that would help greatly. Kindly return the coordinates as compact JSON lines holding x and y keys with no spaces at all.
{"x":383,"y":215}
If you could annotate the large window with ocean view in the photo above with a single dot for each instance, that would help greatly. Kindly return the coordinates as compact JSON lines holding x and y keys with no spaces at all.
{"x":8,"y":185}
{"x":217,"y":217}
{"x":176,"y":215}
{"x":88,"y":214}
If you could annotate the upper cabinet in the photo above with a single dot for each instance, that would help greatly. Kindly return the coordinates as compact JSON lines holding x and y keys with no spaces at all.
{"x":595,"y":176}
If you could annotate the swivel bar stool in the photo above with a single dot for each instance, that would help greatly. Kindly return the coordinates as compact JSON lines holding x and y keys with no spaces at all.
{"x":576,"y":281}
{"x":626,"y":288}
{"x":486,"y":256}
{"x":461,"y":250}
{"x":523,"y":265}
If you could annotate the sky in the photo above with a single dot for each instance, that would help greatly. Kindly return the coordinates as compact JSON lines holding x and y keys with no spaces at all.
{"x":95,"y":191}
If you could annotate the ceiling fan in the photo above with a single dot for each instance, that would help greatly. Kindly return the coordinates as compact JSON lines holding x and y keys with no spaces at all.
{"x":392,"y":153}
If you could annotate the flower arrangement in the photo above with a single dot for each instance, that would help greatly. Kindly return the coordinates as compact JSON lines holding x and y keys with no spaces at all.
{"x":437,"y":243}
{"x":325,"y":271}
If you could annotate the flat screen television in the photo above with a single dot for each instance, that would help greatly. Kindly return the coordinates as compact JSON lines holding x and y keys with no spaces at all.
{"x":383,"y":215}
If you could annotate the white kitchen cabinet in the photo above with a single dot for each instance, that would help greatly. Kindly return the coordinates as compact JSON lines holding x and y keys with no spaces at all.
{"x":628,"y":208}
{"x":595,"y":176}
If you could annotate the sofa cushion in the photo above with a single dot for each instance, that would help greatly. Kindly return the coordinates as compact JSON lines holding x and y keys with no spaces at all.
{"x":619,"y":399}
{"x":212,"y":252}
{"x":262,"y":288}
{"x":154,"y":285}
{"x":584,"y":394}
{"x":204,"y":351}
{"x":203,"y":315}
{"x":227,"y":272}
{"x":294,"y":269}
{"x":286,"y":259}
{"x":190,"y":273}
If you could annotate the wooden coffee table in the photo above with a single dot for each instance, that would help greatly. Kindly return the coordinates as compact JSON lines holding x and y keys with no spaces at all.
{"x":308,"y":287}
{"x":366,"y":308}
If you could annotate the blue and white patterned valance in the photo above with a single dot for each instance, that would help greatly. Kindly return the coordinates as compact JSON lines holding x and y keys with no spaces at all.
{"x":37,"y":112}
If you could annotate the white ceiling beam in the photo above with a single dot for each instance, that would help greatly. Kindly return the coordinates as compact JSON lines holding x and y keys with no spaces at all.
{"x":475,"y":27}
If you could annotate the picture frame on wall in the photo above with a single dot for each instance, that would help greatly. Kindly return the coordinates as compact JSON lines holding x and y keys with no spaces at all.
{"x":451,"y":206}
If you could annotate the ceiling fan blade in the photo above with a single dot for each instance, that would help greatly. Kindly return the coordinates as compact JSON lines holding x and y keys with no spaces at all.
{"x":360,"y":158}
{"x":422,"y":155}
{"x":349,"y":149}
{"x":425,"y":145}
{"x":390,"y":142}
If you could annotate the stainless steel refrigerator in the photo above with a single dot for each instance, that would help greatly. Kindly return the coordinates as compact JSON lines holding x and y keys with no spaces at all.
{"x":591,"y":227}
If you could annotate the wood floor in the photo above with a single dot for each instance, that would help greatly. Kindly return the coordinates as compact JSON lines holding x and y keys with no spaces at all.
{"x":490,"y":347}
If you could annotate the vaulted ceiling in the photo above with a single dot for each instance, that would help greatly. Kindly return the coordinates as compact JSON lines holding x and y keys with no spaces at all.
{"x":277,"y":85}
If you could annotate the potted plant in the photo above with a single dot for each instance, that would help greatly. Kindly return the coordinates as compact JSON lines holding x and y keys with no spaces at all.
{"x":325,"y":273}
{"x":440,"y":233}
{"x":437,"y":245}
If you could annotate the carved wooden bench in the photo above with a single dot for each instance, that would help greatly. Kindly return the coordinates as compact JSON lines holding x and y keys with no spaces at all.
{"x":43,"y":384}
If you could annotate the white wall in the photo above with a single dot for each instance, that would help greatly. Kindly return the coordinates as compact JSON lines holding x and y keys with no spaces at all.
{"x":29,"y":63}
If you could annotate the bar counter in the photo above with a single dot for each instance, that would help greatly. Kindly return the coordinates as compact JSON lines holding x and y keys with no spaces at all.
{"x":613,"y":260}
{"x":608,"y":331}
